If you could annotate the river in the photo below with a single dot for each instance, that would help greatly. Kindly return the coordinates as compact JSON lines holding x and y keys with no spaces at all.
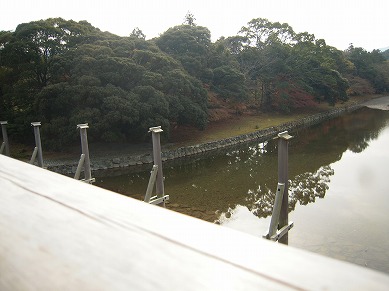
{"x":338,"y":194}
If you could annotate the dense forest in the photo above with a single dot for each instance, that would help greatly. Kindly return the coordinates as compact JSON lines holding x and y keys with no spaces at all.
{"x":64,"y":72}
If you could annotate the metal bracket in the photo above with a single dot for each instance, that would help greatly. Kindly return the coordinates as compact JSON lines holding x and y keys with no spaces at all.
{"x":89,"y":181}
{"x":79,"y":167}
{"x":33,"y":157}
{"x":280,"y":233}
{"x":274,"y":234}
{"x":5,"y":145}
{"x":150,"y":186}
{"x":155,"y":199}
{"x":2,"y":148}
{"x":158,"y":200}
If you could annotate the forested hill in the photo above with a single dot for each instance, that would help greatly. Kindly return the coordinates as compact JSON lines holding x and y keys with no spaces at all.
{"x":65,"y":72}
{"x":386,"y":54}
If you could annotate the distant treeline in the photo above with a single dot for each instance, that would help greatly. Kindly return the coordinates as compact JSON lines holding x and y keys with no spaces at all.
{"x":64,"y":72}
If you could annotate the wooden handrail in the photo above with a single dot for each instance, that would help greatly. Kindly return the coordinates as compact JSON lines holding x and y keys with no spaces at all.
{"x":57,"y":233}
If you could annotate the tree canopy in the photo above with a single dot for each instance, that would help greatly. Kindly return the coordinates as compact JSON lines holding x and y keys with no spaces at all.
{"x":63,"y":72}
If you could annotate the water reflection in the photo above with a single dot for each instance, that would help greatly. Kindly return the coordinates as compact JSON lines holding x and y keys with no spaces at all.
{"x":303,"y":188}
{"x":312,"y":151}
{"x":247,"y":175}
{"x":219,"y":186}
{"x":306,"y":187}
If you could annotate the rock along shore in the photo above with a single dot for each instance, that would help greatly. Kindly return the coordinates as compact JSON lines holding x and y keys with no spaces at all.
{"x":125,"y":161}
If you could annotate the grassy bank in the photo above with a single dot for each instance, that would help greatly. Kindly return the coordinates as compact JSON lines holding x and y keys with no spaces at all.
{"x":246,"y":123}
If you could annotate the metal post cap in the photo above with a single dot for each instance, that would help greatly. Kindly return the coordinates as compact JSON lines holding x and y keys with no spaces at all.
{"x":37,"y":123}
{"x":3,"y":122}
{"x":285,"y":135}
{"x":82,"y":125}
{"x":155,"y":129}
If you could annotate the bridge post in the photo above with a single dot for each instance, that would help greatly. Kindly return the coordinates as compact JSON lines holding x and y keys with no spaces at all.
{"x":85,"y":151}
{"x":283,"y":140}
{"x":38,"y":143}
{"x":155,"y":133}
{"x":5,"y":137}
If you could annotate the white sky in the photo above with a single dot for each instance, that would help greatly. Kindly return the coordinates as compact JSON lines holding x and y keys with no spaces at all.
{"x":340,"y":22}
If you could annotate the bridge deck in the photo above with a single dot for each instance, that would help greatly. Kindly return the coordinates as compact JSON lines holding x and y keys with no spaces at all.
{"x":57,"y":233}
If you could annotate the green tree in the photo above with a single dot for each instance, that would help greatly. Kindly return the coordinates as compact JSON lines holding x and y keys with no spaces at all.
{"x":386,"y":54}
{"x":229,"y":83}
{"x":191,"y":46}
{"x":189,"y":19}
{"x":286,"y":69}
{"x":137,"y":33}
{"x":64,"y":72}
{"x":318,"y":66}
{"x":262,"y":48}
{"x":35,"y":48}
{"x":260,"y":32}
{"x":370,"y":66}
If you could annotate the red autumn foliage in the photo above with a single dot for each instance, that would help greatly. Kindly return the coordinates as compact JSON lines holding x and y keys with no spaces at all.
{"x":290,"y":97}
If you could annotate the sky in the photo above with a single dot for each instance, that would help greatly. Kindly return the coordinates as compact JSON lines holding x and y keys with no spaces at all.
{"x":338,"y":22}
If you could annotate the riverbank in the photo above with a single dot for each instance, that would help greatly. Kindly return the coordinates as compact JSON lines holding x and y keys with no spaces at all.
{"x":124,"y":156}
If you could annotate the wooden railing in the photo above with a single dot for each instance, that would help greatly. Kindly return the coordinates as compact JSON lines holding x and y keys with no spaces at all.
{"x":57,"y":233}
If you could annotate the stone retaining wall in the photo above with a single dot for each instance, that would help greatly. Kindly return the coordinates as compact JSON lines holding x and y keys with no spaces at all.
{"x":260,"y":135}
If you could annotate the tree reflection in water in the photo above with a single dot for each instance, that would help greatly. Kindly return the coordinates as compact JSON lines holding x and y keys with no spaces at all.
{"x":247,"y":174}
{"x":311,"y":154}
{"x":304,"y":188}
{"x":307,"y":186}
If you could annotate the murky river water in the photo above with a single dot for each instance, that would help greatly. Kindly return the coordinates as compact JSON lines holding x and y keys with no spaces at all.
{"x":339,"y":197}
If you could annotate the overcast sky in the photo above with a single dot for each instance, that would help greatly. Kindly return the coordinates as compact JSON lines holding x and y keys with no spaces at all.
{"x":365,"y":23}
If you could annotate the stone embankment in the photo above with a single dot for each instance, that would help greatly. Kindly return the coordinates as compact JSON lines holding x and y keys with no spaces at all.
{"x":144,"y":159}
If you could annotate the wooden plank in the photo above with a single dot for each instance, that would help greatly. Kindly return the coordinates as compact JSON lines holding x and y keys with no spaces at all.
{"x":57,"y":233}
